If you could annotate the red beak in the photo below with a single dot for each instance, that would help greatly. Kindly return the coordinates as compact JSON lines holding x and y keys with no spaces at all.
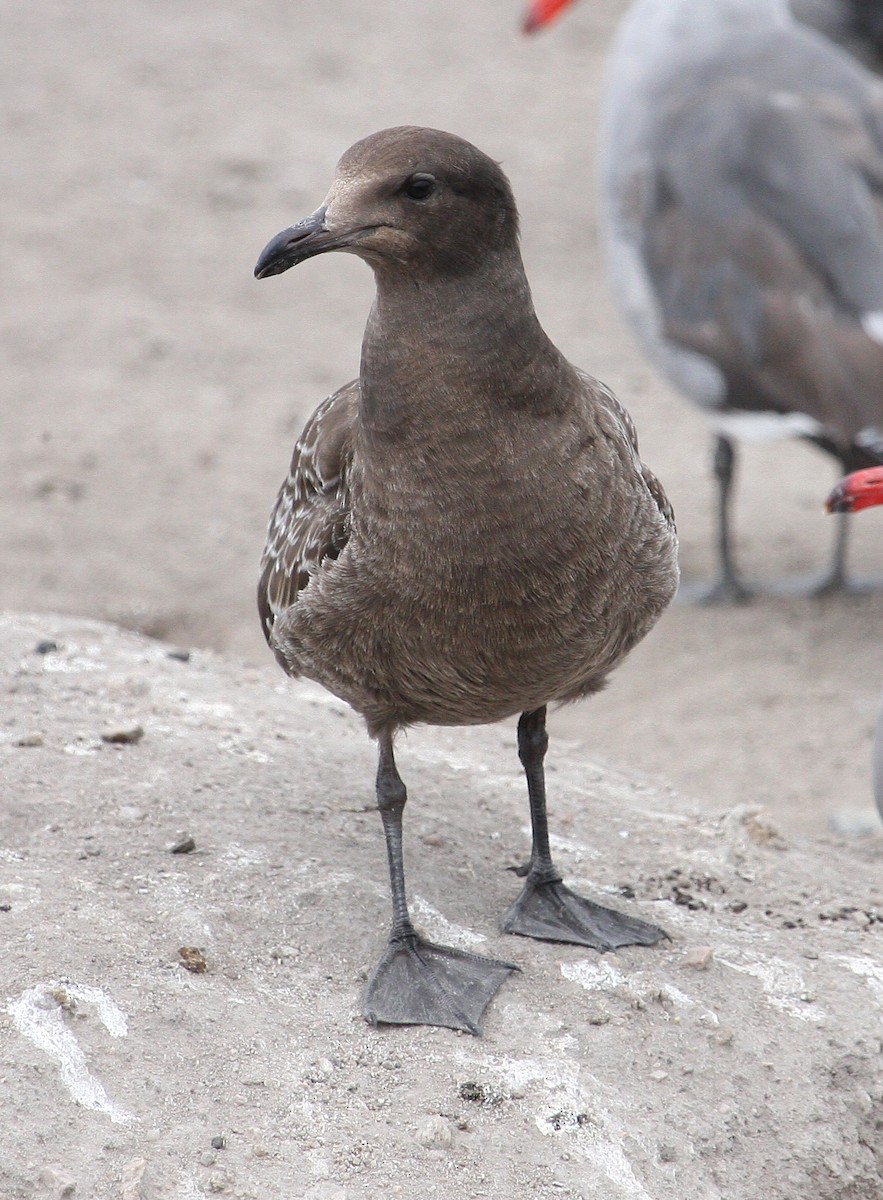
{"x":540,"y":13}
{"x":861,"y":489}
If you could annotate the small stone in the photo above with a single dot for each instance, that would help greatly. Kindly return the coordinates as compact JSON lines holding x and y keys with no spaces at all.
{"x":320,"y":1071}
{"x":751,"y":820}
{"x":184,"y":845}
{"x":434,"y":1133}
{"x":207,"y":1159}
{"x":193,"y":959}
{"x":31,"y":739}
{"x":219,"y":1142}
{"x":658,"y":1075}
{"x":284,"y":953}
{"x":62,"y":998}
{"x":667,"y":1153}
{"x":179,"y":655}
{"x":598,"y":1016}
{"x":46,"y":646}
{"x":126,"y":735}
{"x":132,"y":1179}
{"x":57,"y":1184}
{"x":567,"y":1118}
{"x":436,"y":840}
{"x":698,"y":957}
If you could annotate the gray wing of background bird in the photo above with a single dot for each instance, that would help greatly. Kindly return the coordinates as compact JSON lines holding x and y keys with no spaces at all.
{"x":856,"y":25}
{"x":310,"y":518}
{"x":756,"y":210}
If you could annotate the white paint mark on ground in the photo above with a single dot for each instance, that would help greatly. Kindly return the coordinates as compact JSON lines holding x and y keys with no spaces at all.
{"x":598,"y":1137}
{"x":870,"y":970}
{"x":609,"y":1158}
{"x":640,"y":985}
{"x":784,"y":987}
{"x":72,"y":665}
{"x":594,"y":976}
{"x":39,"y":1016}
{"x":440,"y":928}
{"x":242,"y":856}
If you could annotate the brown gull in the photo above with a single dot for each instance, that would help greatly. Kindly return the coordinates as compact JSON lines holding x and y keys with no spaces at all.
{"x":466,"y":531}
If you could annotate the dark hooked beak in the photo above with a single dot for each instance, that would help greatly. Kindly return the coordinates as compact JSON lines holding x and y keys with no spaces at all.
{"x":292,"y":246}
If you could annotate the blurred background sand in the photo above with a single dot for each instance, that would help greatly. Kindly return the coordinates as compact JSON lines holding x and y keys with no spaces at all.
{"x":152,"y":389}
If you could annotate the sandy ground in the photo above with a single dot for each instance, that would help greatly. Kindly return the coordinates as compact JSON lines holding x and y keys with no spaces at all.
{"x":741,"y":1059}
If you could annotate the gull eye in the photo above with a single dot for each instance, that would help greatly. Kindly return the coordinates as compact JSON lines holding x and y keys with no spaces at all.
{"x":419,"y":186}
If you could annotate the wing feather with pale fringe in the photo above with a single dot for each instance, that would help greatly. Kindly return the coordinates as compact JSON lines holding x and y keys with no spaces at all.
{"x":310,"y":519}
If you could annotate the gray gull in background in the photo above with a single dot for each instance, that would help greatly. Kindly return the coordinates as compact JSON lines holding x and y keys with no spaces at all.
{"x":741,"y":194}
{"x":466,"y":532}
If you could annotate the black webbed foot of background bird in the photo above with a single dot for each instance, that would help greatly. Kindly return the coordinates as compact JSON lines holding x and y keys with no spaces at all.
{"x":419,"y":983}
{"x":553,"y":913}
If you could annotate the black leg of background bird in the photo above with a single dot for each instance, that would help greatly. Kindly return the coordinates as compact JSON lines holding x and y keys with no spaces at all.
{"x":546,"y":909}
{"x":729,"y":588}
{"x":417,"y":982}
{"x":836,"y":580}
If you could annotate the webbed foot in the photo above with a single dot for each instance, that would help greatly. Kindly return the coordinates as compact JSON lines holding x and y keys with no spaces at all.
{"x":419,"y":983}
{"x":552,"y":912}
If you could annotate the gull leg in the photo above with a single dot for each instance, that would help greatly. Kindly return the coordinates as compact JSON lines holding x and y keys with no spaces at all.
{"x":836,"y":579}
{"x":418,"y":982}
{"x":546,"y":909}
{"x":729,"y":588}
